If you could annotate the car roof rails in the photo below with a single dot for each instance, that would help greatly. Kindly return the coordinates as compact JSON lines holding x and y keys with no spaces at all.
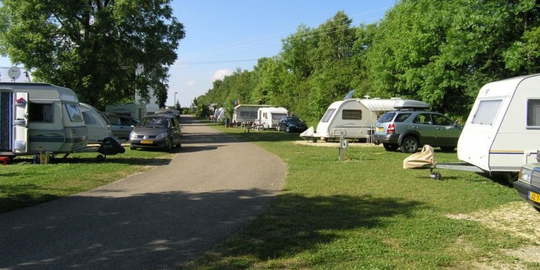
{"x":409,"y":104}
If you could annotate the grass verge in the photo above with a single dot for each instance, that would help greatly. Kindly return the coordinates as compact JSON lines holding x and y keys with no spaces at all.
{"x":24,"y":184}
{"x":367,"y":213}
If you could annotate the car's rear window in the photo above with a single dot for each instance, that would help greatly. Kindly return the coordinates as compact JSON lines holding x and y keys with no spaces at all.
{"x":402,"y":117}
{"x":387,"y":117}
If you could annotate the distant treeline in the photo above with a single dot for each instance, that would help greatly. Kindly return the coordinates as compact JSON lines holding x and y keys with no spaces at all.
{"x":437,"y":51}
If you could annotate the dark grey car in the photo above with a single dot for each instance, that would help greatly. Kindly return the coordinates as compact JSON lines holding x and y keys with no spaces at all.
{"x":413,"y":129}
{"x":156,"y":131}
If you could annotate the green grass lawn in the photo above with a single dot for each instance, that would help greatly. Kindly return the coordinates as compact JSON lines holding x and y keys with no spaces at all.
{"x":25,"y":184}
{"x":362,"y":213}
{"x":365,"y":213}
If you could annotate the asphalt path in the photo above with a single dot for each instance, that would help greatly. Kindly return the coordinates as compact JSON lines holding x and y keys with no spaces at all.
{"x":158,"y":219}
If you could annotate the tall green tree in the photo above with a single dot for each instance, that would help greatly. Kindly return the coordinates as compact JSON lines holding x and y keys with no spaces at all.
{"x":94,"y":47}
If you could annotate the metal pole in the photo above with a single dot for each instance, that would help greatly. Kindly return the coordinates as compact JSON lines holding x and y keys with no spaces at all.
{"x":175,"y":93}
{"x":341,"y":150}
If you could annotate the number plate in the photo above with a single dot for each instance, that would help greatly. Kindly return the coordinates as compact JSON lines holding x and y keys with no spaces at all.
{"x":146,"y":142}
{"x":535,"y":197}
{"x":380,"y":129}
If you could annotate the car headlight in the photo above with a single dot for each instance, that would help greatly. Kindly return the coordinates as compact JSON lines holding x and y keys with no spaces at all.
{"x":161,"y":136}
{"x":525,"y":175}
{"x":133,"y":135}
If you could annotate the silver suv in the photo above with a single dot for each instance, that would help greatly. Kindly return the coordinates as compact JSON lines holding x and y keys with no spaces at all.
{"x":412,"y":129}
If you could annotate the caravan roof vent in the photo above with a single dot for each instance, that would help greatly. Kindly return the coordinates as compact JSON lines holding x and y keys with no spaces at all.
{"x":408,"y":104}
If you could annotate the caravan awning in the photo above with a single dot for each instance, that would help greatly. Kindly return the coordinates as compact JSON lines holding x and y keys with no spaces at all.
{"x":379,"y":105}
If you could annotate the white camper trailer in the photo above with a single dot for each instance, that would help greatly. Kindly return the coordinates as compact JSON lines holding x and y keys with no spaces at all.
{"x":133,"y":110}
{"x":97,"y":125}
{"x":502,"y":131}
{"x":36,"y":117}
{"x":352,"y":118}
{"x":246,"y":114}
{"x":269,"y":117}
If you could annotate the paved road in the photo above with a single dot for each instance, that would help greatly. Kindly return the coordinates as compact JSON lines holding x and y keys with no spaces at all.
{"x":154,"y":220}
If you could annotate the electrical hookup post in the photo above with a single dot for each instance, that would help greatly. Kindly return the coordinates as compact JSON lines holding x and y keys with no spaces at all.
{"x":343,"y":144}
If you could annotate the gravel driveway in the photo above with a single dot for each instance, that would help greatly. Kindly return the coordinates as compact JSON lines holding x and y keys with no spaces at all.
{"x":153,"y":220}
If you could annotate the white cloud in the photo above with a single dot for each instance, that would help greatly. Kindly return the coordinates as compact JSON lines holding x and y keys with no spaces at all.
{"x":190,"y":83}
{"x":220,"y":74}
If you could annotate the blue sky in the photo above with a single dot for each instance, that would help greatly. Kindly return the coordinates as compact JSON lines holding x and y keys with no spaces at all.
{"x":222,"y":36}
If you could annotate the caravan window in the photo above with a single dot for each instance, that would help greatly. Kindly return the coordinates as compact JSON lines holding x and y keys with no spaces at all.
{"x":328,"y":115}
{"x":74,"y":112}
{"x":533,"y":113}
{"x":88,"y":119}
{"x":351,"y":115}
{"x":487,"y":110}
{"x":39,"y":112}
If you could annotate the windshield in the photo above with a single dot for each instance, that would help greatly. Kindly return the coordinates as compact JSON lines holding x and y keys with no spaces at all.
{"x":74,"y":112}
{"x":295,"y":120}
{"x":154,"y":122}
{"x":327,"y":115}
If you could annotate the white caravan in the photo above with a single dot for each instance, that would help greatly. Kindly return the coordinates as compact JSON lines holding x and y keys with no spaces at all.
{"x":37,"y":117}
{"x":502,"y":131}
{"x":133,"y":110}
{"x":246,"y":114}
{"x":352,"y":118}
{"x":97,"y":125}
{"x":269,"y":117}
{"x":219,"y":115}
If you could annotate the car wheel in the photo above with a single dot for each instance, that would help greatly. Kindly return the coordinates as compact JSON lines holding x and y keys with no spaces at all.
{"x":390,"y":147}
{"x":288,"y":129}
{"x":409,"y":145}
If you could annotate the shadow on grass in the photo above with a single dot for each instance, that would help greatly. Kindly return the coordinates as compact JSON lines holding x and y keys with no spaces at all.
{"x":167,"y":230}
{"x":296,"y":223}
{"x":92,"y":160}
{"x":21,"y":198}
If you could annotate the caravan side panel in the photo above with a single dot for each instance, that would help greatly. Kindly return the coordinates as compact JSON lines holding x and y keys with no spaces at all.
{"x":494,"y":137}
{"x":519,"y":135}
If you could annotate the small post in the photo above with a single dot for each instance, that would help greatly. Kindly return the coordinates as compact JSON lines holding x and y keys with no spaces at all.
{"x":341,"y":149}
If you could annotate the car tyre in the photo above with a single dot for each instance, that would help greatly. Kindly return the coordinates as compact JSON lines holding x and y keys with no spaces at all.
{"x":288,"y":129}
{"x":390,"y":146}
{"x":409,"y":145}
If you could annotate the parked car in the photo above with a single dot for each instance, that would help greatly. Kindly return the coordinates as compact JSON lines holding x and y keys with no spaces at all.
{"x":173,"y":112}
{"x":291,"y":124}
{"x":412,"y":129}
{"x":528,"y":184}
{"x":160,"y":131}
{"x":121,"y":125}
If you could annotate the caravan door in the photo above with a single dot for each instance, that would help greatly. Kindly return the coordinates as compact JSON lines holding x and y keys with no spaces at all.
{"x":20,"y":123}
